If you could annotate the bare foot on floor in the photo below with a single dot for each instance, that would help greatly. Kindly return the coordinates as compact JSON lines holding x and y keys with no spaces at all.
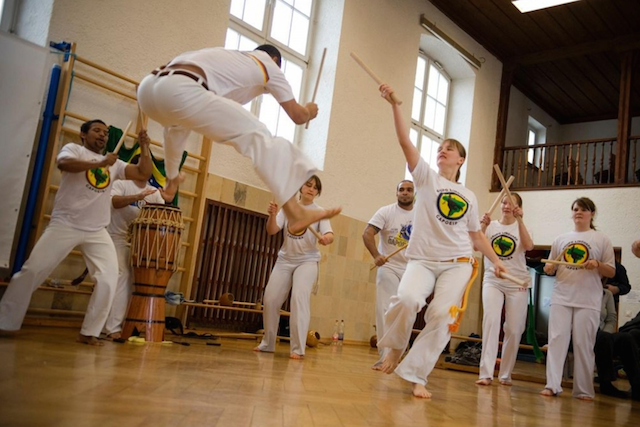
{"x":547,"y":392}
{"x":506,"y":383}
{"x":89,"y":340}
{"x":421,"y":391}
{"x":484,"y":381}
{"x":300,"y":218}
{"x":585,"y":398}
{"x":171,"y":187}
{"x":390,"y":361}
{"x":113,"y":336}
{"x":295,"y":356}
{"x":377,"y":366}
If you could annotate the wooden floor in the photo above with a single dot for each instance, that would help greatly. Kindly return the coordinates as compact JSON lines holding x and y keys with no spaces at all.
{"x":46,"y":379}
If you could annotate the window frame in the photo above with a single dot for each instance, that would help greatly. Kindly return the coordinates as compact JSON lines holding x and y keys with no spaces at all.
{"x":262,"y":36}
{"x":417,"y":125}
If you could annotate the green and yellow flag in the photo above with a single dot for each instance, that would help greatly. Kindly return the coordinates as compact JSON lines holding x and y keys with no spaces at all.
{"x":159,"y":175}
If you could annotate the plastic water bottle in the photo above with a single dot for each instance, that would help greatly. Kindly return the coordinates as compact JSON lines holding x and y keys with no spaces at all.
{"x":341,"y":332}
{"x":336,"y":334}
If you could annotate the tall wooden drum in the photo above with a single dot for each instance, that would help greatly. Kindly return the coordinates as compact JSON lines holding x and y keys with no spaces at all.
{"x":155,"y":245}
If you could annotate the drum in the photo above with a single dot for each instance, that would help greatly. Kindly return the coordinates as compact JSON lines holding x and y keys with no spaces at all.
{"x":155,"y":245}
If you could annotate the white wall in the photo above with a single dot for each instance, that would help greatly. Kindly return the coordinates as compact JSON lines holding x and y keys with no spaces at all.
{"x":32,"y":22}
{"x":593,"y":130}
{"x":520,"y":108}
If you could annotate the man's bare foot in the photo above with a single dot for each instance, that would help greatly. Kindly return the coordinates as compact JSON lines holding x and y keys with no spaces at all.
{"x":89,"y":340}
{"x":296,"y":356}
{"x":300,"y":218}
{"x":377,"y":366}
{"x":547,"y":392}
{"x":484,"y":381}
{"x":506,"y":383}
{"x":113,"y":336}
{"x":421,"y":391}
{"x":585,"y":398}
{"x":257,"y":349}
{"x":170,"y":189}
{"x":390,"y":361}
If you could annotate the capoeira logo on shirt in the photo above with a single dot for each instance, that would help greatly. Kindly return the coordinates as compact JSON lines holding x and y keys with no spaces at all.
{"x":504,"y":245}
{"x":576,"y":253}
{"x":99,"y":178}
{"x":402,"y":237}
{"x":452,"y":207}
{"x":299,"y":235}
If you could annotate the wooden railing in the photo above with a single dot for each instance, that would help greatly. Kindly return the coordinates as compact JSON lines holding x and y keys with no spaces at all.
{"x":590,"y":163}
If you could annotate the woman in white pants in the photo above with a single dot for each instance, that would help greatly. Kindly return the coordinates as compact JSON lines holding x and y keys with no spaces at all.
{"x":577,"y":299}
{"x":509,"y":239}
{"x":296,"y":270}
{"x":439,"y":253}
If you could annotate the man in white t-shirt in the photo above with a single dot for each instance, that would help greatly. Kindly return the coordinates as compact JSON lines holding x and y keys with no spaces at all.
{"x":394,"y":223}
{"x":204,"y":91}
{"x":127,"y":198}
{"x":80,"y":216}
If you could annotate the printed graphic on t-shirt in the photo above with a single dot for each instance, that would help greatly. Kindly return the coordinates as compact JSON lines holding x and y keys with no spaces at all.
{"x":297,"y":235}
{"x":98,"y":178}
{"x":576,"y":252}
{"x":401,"y":238}
{"x":504,"y":245}
{"x":452,"y":206}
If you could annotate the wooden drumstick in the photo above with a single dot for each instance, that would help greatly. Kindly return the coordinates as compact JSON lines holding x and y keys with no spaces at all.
{"x":394,"y":98}
{"x":315,"y":233}
{"x":553,"y":261}
{"x":124,"y":134}
{"x":500,"y":196}
{"x":315,"y":89}
{"x":391,"y":254}
{"x":505,"y":187}
{"x":513,"y":279}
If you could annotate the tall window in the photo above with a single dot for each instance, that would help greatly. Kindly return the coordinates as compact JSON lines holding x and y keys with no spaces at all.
{"x":531,"y":140}
{"x":285,"y":24}
{"x":429,"y":109}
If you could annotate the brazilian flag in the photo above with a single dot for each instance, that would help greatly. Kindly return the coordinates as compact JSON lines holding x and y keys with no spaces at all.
{"x":159,"y":176}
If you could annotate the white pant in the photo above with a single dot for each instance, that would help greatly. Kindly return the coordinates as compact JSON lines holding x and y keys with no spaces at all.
{"x":515,"y":306}
{"x":387,"y":281}
{"x":581,"y":324}
{"x":447,"y":281}
{"x":123,"y":291}
{"x":53,"y":246}
{"x":298,"y":278}
{"x":181,"y":105}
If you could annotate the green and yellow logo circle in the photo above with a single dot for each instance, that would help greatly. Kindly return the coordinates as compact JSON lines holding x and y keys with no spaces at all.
{"x":576,"y":253}
{"x":452,"y":206}
{"x":503,"y":245}
{"x":99,"y":178}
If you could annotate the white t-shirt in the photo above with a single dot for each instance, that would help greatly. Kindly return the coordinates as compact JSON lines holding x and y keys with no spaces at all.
{"x":301,"y":247}
{"x":395,"y":226}
{"x":239,"y":76}
{"x":122,"y":218}
{"x":505,"y":242}
{"x":578,"y":287}
{"x":444,"y":213}
{"x":83,"y":198}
